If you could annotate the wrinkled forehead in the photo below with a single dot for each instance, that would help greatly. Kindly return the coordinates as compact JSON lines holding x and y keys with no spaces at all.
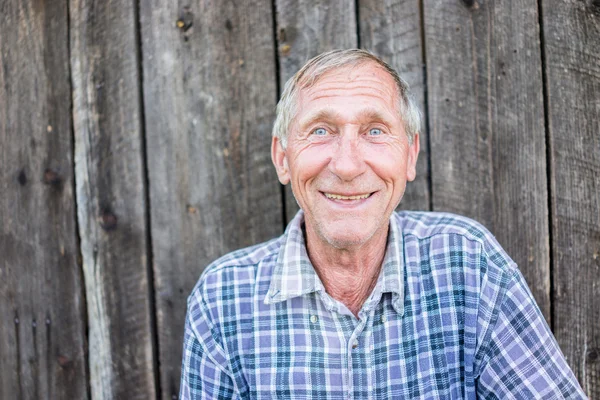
{"x":349,"y":72}
{"x":367,"y":80}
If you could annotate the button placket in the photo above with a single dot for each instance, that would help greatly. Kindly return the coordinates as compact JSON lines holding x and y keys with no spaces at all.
{"x":353,"y":343}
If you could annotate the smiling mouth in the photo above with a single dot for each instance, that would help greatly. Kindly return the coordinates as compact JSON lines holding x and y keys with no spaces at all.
{"x":334,"y":196}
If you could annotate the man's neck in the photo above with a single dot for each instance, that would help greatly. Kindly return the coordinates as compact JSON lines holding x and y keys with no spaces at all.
{"x":349,"y":274}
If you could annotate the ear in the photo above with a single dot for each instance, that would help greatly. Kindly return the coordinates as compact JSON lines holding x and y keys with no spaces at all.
{"x":279,"y":157}
{"x":413,"y":154}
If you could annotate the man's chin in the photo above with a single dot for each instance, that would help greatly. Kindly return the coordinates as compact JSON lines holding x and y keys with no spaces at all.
{"x":346,"y":235}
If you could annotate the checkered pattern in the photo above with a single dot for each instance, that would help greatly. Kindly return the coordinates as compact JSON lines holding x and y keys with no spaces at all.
{"x":450,"y":317}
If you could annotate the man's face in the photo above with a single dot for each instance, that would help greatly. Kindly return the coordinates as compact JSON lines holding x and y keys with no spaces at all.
{"x":347,"y":157}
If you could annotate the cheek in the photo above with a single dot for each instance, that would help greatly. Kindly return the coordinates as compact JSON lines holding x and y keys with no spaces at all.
{"x":388,"y":163}
{"x":309,"y":162}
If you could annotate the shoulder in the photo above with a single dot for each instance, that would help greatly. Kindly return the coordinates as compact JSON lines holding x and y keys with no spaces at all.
{"x":425,"y":227}
{"x":225,"y":278}
{"x":424,"y":224}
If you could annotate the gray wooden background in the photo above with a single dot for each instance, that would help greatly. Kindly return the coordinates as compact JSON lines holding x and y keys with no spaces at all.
{"x":134,"y":150}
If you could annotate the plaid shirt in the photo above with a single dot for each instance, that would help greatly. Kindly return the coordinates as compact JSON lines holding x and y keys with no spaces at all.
{"x":450,"y":317}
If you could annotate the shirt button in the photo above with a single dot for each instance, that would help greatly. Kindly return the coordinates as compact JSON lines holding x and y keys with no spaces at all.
{"x":383,"y":318}
{"x":314,"y":319}
{"x":355,"y":344}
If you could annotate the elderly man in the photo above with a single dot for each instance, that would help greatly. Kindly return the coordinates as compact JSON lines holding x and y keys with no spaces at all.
{"x":355,"y":300}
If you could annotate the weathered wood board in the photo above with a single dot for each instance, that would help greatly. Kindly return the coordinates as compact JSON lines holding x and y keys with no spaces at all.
{"x":572,"y":54}
{"x":391,"y":29}
{"x":210,"y":94}
{"x":42,"y":307}
{"x":305,"y":29}
{"x":486,"y":114}
{"x":111,"y":203}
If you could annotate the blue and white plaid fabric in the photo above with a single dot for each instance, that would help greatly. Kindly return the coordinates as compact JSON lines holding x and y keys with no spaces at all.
{"x":450,"y":317}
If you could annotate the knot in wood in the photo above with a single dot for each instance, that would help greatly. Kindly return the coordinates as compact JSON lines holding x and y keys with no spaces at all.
{"x":595,"y":7}
{"x":22,"y":178}
{"x":52,"y":177}
{"x":63,"y":361}
{"x":592,"y":355}
{"x":108,"y":220}
{"x":471,"y":4}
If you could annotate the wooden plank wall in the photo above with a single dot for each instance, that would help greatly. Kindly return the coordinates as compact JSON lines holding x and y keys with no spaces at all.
{"x":209,"y":94}
{"x":42,"y":303}
{"x":111,"y":198}
{"x":134,"y":150}
{"x":572,"y":70}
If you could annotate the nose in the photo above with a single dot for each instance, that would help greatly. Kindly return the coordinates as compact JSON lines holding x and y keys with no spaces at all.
{"x":347,"y":161}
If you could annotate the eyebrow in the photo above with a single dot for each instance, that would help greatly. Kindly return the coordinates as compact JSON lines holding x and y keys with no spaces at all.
{"x":328,"y":114}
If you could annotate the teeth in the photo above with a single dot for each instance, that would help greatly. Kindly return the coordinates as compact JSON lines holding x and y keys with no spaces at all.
{"x":339,"y":197}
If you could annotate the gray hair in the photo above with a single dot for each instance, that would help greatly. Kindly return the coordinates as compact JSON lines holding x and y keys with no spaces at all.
{"x":316,"y":67}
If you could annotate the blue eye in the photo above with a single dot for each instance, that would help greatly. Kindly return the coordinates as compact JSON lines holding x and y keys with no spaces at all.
{"x":375,"y":132}
{"x":320,"y":132}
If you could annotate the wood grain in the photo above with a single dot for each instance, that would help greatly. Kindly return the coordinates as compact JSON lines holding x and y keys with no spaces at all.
{"x":42,"y":309}
{"x":391,"y":29}
{"x":486,"y":113}
{"x":209,"y":94}
{"x":109,"y":170}
{"x":572,"y":54}
{"x":305,"y":29}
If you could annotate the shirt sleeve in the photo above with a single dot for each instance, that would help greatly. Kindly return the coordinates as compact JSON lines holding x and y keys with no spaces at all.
{"x":523,"y":360}
{"x":201,"y":376}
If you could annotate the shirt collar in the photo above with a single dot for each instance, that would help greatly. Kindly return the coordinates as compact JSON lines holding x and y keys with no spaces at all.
{"x":294,"y":274}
